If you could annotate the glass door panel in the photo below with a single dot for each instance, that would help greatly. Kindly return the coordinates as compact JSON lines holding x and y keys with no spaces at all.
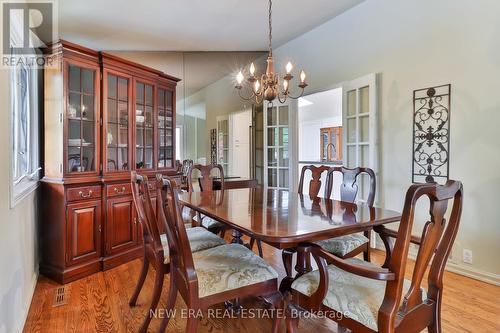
{"x":80,"y":115}
{"x":165,"y":131}
{"x":223,"y":143}
{"x":143,"y":125}
{"x":117,"y":127}
{"x":277,"y":146}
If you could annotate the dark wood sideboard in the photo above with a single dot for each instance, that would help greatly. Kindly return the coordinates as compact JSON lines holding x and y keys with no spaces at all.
{"x":104,"y":116}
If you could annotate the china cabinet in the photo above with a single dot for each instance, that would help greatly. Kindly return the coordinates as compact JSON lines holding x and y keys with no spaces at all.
{"x":331,"y":143}
{"x":104,"y":116}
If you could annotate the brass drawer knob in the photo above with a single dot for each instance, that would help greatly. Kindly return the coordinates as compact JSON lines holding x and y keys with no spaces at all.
{"x":88,"y":195}
{"x":119,"y":191}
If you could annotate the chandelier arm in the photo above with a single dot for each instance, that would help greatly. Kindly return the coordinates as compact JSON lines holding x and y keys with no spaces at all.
{"x":298,"y":96}
{"x":249,"y":98}
{"x":284,"y":99}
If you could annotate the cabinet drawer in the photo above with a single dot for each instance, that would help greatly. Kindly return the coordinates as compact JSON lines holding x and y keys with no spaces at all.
{"x":83,"y":193}
{"x":118,"y":189}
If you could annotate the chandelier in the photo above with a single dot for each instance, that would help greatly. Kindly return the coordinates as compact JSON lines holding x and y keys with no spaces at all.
{"x":270,"y":85}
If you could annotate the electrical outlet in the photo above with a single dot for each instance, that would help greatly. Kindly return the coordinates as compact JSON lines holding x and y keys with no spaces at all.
{"x":467,"y":256}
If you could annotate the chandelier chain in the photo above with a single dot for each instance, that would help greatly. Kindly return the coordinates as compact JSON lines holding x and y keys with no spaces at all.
{"x":270,"y":27}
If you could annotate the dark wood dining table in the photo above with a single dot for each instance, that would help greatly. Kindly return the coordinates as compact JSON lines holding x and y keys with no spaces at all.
{"x":285,"y":219}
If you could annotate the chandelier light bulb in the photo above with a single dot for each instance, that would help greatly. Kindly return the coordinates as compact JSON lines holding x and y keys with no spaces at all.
{"x":256,"y":86}
{"x":252,"y":69}
{"x":302,"y":76}
{"x":285,"y":85}
{"x":239,"y":77}
{"x":289,"y":67}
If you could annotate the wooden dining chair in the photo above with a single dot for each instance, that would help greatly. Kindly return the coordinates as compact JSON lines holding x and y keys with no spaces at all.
{"x":350,"y":245}
{"x":156,"y":250}
{"x":313,"y":191}
{"x":206,"y":184}
{"x":363,"y":297}
{"x":211,"y":276}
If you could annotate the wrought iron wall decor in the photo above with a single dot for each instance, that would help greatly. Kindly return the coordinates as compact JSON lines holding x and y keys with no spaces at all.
{"x":213,"y":146}
{"x":431,"y":134}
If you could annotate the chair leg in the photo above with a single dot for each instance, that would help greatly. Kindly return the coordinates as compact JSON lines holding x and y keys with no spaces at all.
{"x":140,"y":282}
{"x":287,"y":256}
{"x":436,"y":323}
{"x":366,"y":253}
{"x":276,"y":300}
{"x":259,"y":247}
{"x":172,"y":296}
{"x":192,"y":324}
{"x":160,"y":276}
{"x":292,"y":320}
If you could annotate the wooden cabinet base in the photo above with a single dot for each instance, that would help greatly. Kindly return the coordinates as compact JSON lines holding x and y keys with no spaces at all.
{"x":70,"y":274}
{"x":121,"y":258}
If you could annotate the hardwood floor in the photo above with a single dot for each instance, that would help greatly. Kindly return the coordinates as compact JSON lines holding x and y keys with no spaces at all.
{"x":99,"y":303}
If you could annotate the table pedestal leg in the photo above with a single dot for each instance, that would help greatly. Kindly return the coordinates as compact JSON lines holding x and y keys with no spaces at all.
{"x":302,"y":267}
{"x":237,"y":237}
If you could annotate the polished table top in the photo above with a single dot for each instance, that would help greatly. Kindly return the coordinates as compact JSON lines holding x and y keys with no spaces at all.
{"x":285,"y":218}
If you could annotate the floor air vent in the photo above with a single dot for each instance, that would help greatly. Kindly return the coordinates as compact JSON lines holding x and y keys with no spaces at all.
{"x":60,"y":297}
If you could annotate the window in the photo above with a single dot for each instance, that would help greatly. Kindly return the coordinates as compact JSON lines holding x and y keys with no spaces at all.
{"x":178,"y":143}
{"x":25,"y":132}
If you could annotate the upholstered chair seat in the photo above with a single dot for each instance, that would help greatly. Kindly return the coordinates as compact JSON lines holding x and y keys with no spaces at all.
{"x":340,"y":246}
{"x":199,"y":239}
{"x":357,"y":297}
{"x":229,"y":267}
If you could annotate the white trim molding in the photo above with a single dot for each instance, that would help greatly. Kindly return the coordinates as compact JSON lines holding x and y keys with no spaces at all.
{"x":454,"y":267}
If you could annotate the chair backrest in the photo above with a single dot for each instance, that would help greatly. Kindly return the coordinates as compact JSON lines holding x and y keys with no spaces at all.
{"x":436,"y":242}
{"x":206,"y":180}
{"x":186,"y":165}
{"x":181,"y":257}
{"x":145,"y":211}
{"x":350,"y":179}
{"x":315,"y":183}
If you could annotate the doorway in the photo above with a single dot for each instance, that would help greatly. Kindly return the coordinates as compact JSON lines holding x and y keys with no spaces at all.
{"x":240,"y":138}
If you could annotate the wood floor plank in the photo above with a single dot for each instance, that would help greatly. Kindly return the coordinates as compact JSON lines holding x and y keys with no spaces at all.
{"x":99,"y":303}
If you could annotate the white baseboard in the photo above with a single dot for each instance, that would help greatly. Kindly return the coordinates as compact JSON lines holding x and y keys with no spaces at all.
{"x":27,"y":304}
{"x":461,"y":269}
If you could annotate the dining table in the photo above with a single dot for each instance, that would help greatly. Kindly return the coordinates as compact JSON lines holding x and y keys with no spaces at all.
{"x":285,"y":219}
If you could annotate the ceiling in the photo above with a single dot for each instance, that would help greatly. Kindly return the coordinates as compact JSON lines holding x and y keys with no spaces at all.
{"x":203,"y":68}
{"x":190,"y":25}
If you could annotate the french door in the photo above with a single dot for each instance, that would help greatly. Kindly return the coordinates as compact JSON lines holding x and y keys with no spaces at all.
{"x":359,"y":119}
{"x":280,"y":145}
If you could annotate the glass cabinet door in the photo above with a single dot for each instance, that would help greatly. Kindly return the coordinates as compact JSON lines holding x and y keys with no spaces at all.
{"x":165,"y":128}
{"x":143,"y":125}
{"x":117,"y":134}
{"x":81,"y":116}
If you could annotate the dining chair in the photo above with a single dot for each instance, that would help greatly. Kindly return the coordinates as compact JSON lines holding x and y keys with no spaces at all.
{"x":186,"y":165}
{"x":156,"y":250}
{"x":314,"y":188}
{"x":363,"y":297}
{"x":214,"y":275}
{"x":350,"y":245}
{"x":206,"y":184}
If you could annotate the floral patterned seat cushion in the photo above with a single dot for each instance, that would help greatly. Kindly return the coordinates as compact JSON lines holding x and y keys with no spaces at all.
{"x":199,"y":239}
{"x":342,"y":245}
{"x":209,"y":222}
{"x":229,"y":267}
{"x":357,"y":297}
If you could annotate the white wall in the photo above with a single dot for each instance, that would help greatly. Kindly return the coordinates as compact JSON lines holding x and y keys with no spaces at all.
{"x":416,"y":44}
{"x":18,"y":234}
